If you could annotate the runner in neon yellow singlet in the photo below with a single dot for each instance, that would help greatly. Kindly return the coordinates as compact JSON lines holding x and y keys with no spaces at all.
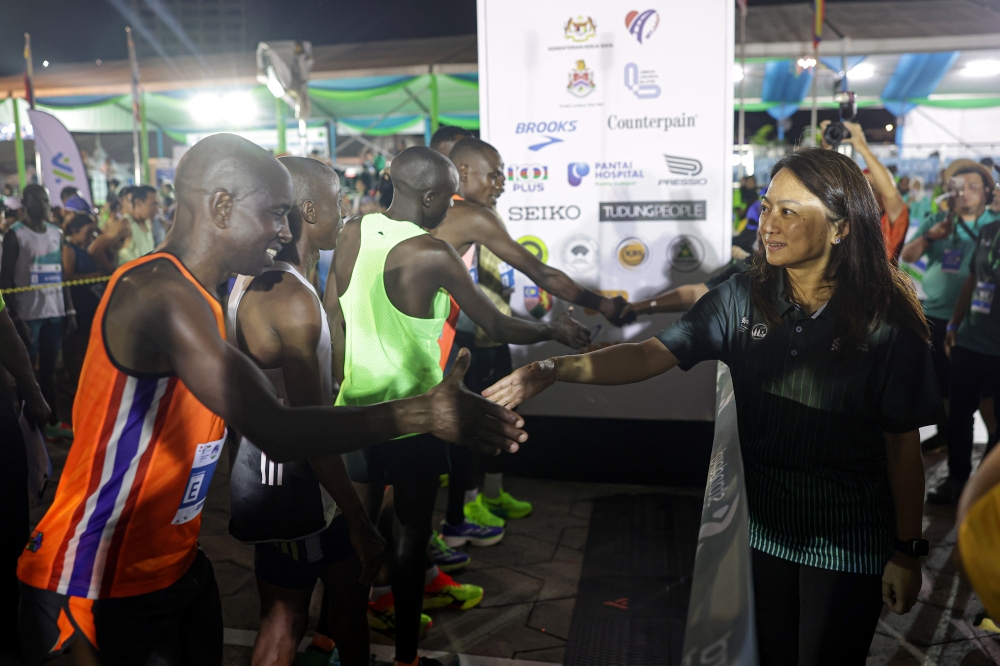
{"x":393,"y":280}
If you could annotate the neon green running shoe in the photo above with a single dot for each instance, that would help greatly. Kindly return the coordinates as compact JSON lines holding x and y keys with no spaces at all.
{"x":476,"y":512}
{"x":506,"y":506}
{"x":444,"y":591}
{"x":382,"y":617}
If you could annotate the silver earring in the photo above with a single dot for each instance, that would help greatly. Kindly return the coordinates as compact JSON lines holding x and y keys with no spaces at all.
{"x":836,"y":241}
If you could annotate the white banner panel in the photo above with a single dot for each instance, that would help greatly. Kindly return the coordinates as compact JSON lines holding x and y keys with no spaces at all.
{"x":62,"y":164}
{"x":616,"y":127}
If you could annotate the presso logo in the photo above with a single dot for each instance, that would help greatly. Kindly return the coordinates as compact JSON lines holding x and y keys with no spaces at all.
{"x":519,"y":213}
{"x":758,"y":331}
{"x":646,"y":122}
{"x":683,"y":166}
{"x":642,"y":83}
{"x":651,"y":211}
{"x":528,"y":177}
{"x":576,"y":172}
{"x":546,"y":129}
{"x":642,"y":25}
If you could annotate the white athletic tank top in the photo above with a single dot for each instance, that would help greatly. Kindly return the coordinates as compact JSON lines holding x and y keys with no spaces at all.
{"x":39,"y":262}
{"x":263,"y":495}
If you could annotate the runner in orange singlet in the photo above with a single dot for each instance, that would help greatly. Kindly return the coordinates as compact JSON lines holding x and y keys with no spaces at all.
{"x":113,"y":571}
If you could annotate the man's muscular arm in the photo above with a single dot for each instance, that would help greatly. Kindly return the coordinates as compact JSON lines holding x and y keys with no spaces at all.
{"x":450,"y":272}
{"x":172,"y":318}
{"x":482,"y":226}
{"x":294,"y":317}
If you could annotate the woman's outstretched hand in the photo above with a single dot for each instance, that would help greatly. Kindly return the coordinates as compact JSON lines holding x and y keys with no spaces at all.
{"x":523,"y":383}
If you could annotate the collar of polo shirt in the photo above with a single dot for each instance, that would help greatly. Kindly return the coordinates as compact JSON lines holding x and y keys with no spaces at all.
{"x":827,"y":310}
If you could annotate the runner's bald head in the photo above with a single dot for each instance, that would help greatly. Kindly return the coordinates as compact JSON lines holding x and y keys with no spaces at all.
{"x":424,"y":181}
{"x":316,"y":203}
{"x":469,"y":149}
{"x":232,"y":199}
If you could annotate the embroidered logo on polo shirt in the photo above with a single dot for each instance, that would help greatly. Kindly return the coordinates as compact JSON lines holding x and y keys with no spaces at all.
{"x":759,"y":331}
{"x":744,"y":325}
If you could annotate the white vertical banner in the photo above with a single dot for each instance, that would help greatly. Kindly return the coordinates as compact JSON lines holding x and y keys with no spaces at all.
{"x":62,"y":163}
{"x":615,"y":123}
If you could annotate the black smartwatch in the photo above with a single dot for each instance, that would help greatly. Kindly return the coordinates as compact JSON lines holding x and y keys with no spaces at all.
{"x":913,"y":547}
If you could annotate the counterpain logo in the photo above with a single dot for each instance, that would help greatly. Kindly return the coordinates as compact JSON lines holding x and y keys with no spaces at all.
{"x":519,"y":213}
{"x":646,"y":122}
{"x":545,"y":130}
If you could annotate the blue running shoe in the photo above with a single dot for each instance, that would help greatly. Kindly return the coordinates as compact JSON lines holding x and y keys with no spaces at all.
{"x":477,"y":535}
{"x":447,"y":559}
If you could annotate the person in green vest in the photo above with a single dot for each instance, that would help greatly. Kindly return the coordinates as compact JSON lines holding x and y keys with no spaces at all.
{"x":393,"y":280}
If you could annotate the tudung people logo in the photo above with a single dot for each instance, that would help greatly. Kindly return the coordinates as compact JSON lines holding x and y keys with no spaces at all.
{"x":537,"y":301}
{"x":581,"y":80}
{"x":580,"y":29}
{"x":642,"y":24}
{"x":576,"y":172}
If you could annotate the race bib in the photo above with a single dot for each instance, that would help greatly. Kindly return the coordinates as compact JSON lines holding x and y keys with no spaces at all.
{"x":952,"y":260}
{"x":982,"y":297}
{"x":206,"y":456}
{"x":506,"y":275}
{"x":46,"y":273}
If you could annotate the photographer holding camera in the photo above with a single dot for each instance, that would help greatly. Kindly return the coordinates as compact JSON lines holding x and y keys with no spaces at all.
{"x":948,"y":240}
{"x":895,"y":215}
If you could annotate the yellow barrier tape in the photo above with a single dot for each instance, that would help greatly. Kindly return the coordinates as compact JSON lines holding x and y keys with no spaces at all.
{"x":57,"y":285}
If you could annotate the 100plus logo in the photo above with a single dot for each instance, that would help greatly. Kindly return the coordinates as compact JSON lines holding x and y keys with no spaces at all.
{"x":545,"y":131}
{"x":527,"y":177}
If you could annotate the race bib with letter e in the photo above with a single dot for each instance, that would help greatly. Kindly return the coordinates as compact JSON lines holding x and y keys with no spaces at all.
{"x":206,"y":457}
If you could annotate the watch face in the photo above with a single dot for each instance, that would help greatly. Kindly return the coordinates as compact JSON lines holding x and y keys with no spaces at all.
{"x":920,"y":547}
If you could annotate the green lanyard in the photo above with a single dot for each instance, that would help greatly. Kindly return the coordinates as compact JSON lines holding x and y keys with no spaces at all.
{"x":992,"y":258}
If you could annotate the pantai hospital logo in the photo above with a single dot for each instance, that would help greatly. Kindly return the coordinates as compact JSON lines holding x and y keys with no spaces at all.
{"x":581,"y":80}
{"x":546,"y":130}
{"x":633,"y":253}
{"x":576,"y":171}
{"x":642,"y":25}
{"x":580,"y":29}
{"x":527,"y":177}
{"x":641,"y":82}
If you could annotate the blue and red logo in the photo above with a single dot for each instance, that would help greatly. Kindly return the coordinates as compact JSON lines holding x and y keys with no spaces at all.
{"x":642,"y":24}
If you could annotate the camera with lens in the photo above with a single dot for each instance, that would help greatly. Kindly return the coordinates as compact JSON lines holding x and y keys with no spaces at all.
{"x":835,"y":133}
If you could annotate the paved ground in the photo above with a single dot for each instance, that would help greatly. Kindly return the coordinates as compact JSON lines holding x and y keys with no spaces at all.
{"x":531,"y":580}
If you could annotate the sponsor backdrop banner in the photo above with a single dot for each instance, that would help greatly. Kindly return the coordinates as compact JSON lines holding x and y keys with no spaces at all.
{"x":615,"y":126}
{"x":62,"y":164}
{"x":721,"y":627}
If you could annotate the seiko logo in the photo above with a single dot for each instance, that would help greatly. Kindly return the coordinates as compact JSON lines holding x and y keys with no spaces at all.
{"x":645,"y":122}
{"x":652,"y":211}
{"x":759,"y":331}
{"x":518,"y":213}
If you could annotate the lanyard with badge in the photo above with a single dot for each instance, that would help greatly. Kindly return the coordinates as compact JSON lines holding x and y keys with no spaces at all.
{"x":982,"y":297}
{"x":951,"y":262}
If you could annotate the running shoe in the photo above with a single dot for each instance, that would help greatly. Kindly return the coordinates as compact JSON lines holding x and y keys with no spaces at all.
{"x":468,"y":532}
{"x":443,"y":592}
{"x":476,"y":512}
{"x":506,"y":506}
{"x":382,"y":617}
{"x":447,"y":559}
{"x":444,"y":480}
{"x":320,"y":652}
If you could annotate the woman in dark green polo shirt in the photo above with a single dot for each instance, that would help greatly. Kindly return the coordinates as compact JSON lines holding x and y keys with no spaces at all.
{"x":828,"y":349}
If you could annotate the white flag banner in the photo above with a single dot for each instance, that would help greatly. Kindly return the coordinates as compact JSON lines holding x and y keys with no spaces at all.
{"x":616,"y":127}
{"x":62,"y":163}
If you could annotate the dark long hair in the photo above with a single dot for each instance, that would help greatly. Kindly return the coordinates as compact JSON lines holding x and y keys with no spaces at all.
{"x":871,"y":290}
